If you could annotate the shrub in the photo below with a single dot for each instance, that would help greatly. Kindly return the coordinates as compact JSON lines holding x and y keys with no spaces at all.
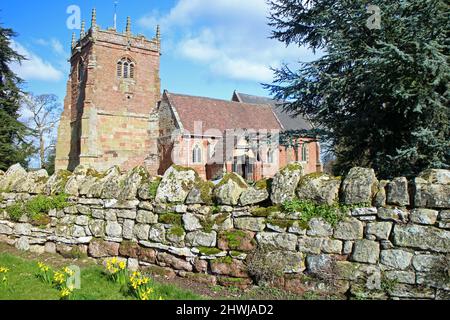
{"x":308,"y":210}
{"x":37,"y":208}
{"x":263,"y":268}
{"x":171,"y":218}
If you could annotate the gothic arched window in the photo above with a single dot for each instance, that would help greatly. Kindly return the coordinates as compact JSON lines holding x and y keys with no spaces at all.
{"x":197,"y":154}
{"x":125,"y":68}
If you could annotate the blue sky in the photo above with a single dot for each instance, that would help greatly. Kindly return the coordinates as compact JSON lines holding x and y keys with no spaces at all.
{"x":210,"y":48}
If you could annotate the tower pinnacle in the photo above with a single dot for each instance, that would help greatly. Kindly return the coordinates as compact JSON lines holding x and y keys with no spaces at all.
{"x":94,"y":18}
{"x":83,"y":31}
{"x":128,"y":28}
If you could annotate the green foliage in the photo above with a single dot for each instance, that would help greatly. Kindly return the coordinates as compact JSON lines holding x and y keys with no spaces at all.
{"x":308,"y":210}
{"x":387,"y":285}
{"x":177,"y":231}
{"x":208,"y":251}
{"x":225,"y":260}
{"x":171,"y":218}
{"x":15,"y":211}
{"x":153,"y":187}
{"x":37,"y":208}
{"x":13,"y":147}
{"x":265,"y":211}
{"x":208,"y":221}
{"x":234,"y":238}
{"x":380,"y":95}
{"x":282,"y":223}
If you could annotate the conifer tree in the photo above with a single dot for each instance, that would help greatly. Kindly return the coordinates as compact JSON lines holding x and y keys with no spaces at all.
{"x":13,"y":145}
{"x":381,"y":92}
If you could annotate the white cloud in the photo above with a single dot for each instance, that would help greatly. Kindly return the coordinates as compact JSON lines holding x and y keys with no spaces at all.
{"x":34,"y":68}
{"x":229,"y":37}
{"x":54,"y":44}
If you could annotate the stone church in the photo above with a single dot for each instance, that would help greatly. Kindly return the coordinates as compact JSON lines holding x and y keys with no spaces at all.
{"x":115,"y":115}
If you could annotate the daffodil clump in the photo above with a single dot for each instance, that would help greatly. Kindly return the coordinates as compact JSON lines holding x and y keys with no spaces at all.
{"x":117,"y":270}
{"x":66,"y":293}
{"x":4,"y":276}
{"x":45,"y":273}
{"x":141,"y":287}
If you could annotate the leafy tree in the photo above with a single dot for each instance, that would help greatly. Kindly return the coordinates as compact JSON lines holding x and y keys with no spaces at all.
{"x":380,"y":94}
{"x":13,"y":145}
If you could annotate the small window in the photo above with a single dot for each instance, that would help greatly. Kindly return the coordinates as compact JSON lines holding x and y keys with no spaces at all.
{"x":197,"y":154}
{"x":119,"y":69}
{"x":270,"y":156}
{"x":80,"y":71}
{"x":131,"y":71}
{"x":125,"y":69}
{"x":305,"y":152}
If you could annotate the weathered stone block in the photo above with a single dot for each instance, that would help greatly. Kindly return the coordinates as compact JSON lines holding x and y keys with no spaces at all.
{"x":320,"y":264}
{"x":380,"y":230}
{"x":319,"y":188}
{"x":423,"y":216}
{"x":366,"y":251}
{"x":393,"y":214}
{"x":157,"y":233}
{"x":201,"y":239}
{"x":397,"y":259}
{"x":229,"y":267}
{"x":397,"y":192}
{"x":426,"y":238}
{"x":174,"y":262}
{"x":191,"y":222}
{"x":97,"y":228}
{"x":176,"y":184}
{"x":251,"y":224}
{"x":407,"y":277}
{"x":349,"y":229}
{"x":147,"y":217}
{"x":319,"y":228}
{"x":359,"y":186}
{"x":310,"y":245}
{"x":101,"y":249}
{"x":432,"y":189}
{"x":141,"y":231}
{"x":284,"y":241}
{"x":113,"y":229}
{"x":285,"y":183}
{"x":332,"y":246}
{"x":254,"y":195}
{"x":230,"y":189}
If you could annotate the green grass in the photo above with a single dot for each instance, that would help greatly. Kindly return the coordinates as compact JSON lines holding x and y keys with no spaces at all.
{"x":24,"y":285}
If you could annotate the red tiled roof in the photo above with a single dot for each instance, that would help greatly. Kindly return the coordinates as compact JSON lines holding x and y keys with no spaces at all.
{"x":222,"y":114}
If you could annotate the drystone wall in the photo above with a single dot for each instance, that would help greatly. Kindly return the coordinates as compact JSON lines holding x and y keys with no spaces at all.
{"x":355,"y":237}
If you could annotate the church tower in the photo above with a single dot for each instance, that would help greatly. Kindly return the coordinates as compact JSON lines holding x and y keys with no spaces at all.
{"x":113,"y":89}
